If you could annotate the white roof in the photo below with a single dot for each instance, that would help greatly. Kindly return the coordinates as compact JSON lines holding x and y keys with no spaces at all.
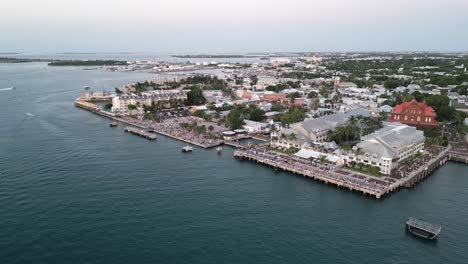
{"x":308,"y":153}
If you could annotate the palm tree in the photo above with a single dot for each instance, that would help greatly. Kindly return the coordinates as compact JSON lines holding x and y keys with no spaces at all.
{"x":292,"y":137}
{"x":323,"y":159}
{"x":273,"y":130}
{"x":444,"y":123}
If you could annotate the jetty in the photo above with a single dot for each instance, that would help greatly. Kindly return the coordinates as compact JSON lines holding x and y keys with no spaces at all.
{"x":141,"y":133}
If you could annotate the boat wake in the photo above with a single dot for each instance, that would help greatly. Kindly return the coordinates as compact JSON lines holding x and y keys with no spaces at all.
{"x":7,"y":89}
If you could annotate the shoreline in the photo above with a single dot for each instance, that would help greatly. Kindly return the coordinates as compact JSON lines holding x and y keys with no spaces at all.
{"x":365,"y":184}
{"x":92,"y":107}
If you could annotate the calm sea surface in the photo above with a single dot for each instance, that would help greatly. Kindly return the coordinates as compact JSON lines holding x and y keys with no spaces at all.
{"x":73,"y":190}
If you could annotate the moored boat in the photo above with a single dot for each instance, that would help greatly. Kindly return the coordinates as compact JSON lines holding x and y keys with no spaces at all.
{"x":113,"y":124}
{"x":423,"y":229}
{"x":219,"y":149}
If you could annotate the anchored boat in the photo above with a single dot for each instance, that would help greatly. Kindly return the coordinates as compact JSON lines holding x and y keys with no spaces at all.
{"x":113,"y":124}
{"x":423,"y":229}
{"x":219,"y":149}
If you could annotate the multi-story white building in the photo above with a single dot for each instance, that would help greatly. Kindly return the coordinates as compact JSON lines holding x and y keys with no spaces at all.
{"x":120,"y":103}
{"x":387,"y":146}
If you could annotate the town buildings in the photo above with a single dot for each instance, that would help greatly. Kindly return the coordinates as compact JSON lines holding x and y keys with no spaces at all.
{"x":254,"y":127}
{"x":120,"y":103}
{"x":413,"y":113}
{"x":312,"y":130}
{"x":96,"y":96}
{"x":459,"y":102}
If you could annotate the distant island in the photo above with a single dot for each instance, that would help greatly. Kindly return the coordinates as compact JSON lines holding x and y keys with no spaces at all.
{"x":15,"y":60}
{"x":203,"y":56}
{"x":88,"y":63}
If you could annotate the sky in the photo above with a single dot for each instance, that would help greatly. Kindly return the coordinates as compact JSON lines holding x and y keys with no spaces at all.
{"x":177,"y":26}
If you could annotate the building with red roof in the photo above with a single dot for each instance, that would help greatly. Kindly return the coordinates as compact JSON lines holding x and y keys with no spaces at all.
{"x":274,"y":98}
{"x":414,"y":114}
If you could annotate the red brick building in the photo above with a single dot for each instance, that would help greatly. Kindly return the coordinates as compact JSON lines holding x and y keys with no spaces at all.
{"x":413,"y":113}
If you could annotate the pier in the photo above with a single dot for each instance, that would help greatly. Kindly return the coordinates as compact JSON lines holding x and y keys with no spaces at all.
{"x":368,"y":185}
{"x":141,"y":133}
{"x":341,"y":179}
{"x":423,"y":172}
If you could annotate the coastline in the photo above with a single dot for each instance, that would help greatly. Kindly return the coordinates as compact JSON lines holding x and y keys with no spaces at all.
{"x":353,"y":181}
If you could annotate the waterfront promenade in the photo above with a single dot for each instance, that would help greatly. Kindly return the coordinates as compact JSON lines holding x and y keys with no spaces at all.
{"x":326,"y":174}
{"x":168,"y":128}
{"x":368,"y":185}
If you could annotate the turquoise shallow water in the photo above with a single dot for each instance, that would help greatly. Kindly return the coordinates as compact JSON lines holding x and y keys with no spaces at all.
{"x":73,"y":190}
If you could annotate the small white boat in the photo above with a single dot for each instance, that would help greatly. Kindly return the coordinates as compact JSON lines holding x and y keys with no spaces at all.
{"x":187,"y":149}
{"x":219,"y":149}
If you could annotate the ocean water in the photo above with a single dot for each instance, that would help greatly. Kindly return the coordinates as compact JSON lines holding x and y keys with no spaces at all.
{"x":73,"y":190}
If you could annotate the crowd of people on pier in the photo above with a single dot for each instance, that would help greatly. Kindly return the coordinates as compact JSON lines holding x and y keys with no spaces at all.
{"x":172,"y":127}
{"x":414,"y":163}
{"x":323,"y":171}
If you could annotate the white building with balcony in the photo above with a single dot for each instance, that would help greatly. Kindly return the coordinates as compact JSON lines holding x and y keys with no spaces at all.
{"x":387,"y":146}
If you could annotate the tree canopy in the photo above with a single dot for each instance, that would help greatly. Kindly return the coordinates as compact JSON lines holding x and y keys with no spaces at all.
{"x":195,"y":96}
